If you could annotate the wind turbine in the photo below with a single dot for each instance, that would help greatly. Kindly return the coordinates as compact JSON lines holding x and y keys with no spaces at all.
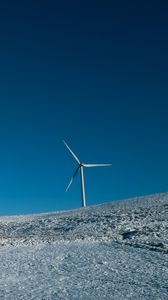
{"x":80,"y":167}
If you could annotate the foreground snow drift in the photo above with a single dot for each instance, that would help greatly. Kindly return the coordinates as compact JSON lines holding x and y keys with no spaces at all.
{"x":117,"y":250}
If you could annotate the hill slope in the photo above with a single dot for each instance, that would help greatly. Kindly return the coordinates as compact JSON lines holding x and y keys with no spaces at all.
{"x":117,"y":250}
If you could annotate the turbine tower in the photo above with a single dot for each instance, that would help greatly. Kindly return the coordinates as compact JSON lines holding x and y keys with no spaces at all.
{"x":80,"y":167}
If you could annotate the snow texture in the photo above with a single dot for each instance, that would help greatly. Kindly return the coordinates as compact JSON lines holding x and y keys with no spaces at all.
{"x":117,"y":250}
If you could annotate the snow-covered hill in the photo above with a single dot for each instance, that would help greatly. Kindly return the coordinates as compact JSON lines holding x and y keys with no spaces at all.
{"x":117,"y":250}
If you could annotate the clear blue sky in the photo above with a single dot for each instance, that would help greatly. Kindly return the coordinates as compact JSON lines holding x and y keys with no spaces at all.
{"x":93,"y":73}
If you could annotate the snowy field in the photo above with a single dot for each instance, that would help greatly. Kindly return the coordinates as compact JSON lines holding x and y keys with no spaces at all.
{"x":114,"y":251}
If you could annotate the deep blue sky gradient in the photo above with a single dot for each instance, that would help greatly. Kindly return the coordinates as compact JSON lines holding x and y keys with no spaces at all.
{"x":94,"y":73}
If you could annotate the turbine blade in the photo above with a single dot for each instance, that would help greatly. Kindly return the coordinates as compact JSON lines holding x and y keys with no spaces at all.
{"x":97,"y":165}
{"x":75,"y":173}
{"x":73,"y":154}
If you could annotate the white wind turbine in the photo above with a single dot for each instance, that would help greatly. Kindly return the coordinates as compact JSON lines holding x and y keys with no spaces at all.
{"x":80,"y":167}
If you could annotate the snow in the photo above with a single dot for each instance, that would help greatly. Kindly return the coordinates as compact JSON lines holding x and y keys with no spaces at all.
{"x":117,"y":250}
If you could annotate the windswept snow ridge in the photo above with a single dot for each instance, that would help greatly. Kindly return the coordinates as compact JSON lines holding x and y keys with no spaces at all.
{"x":114,"y":251}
